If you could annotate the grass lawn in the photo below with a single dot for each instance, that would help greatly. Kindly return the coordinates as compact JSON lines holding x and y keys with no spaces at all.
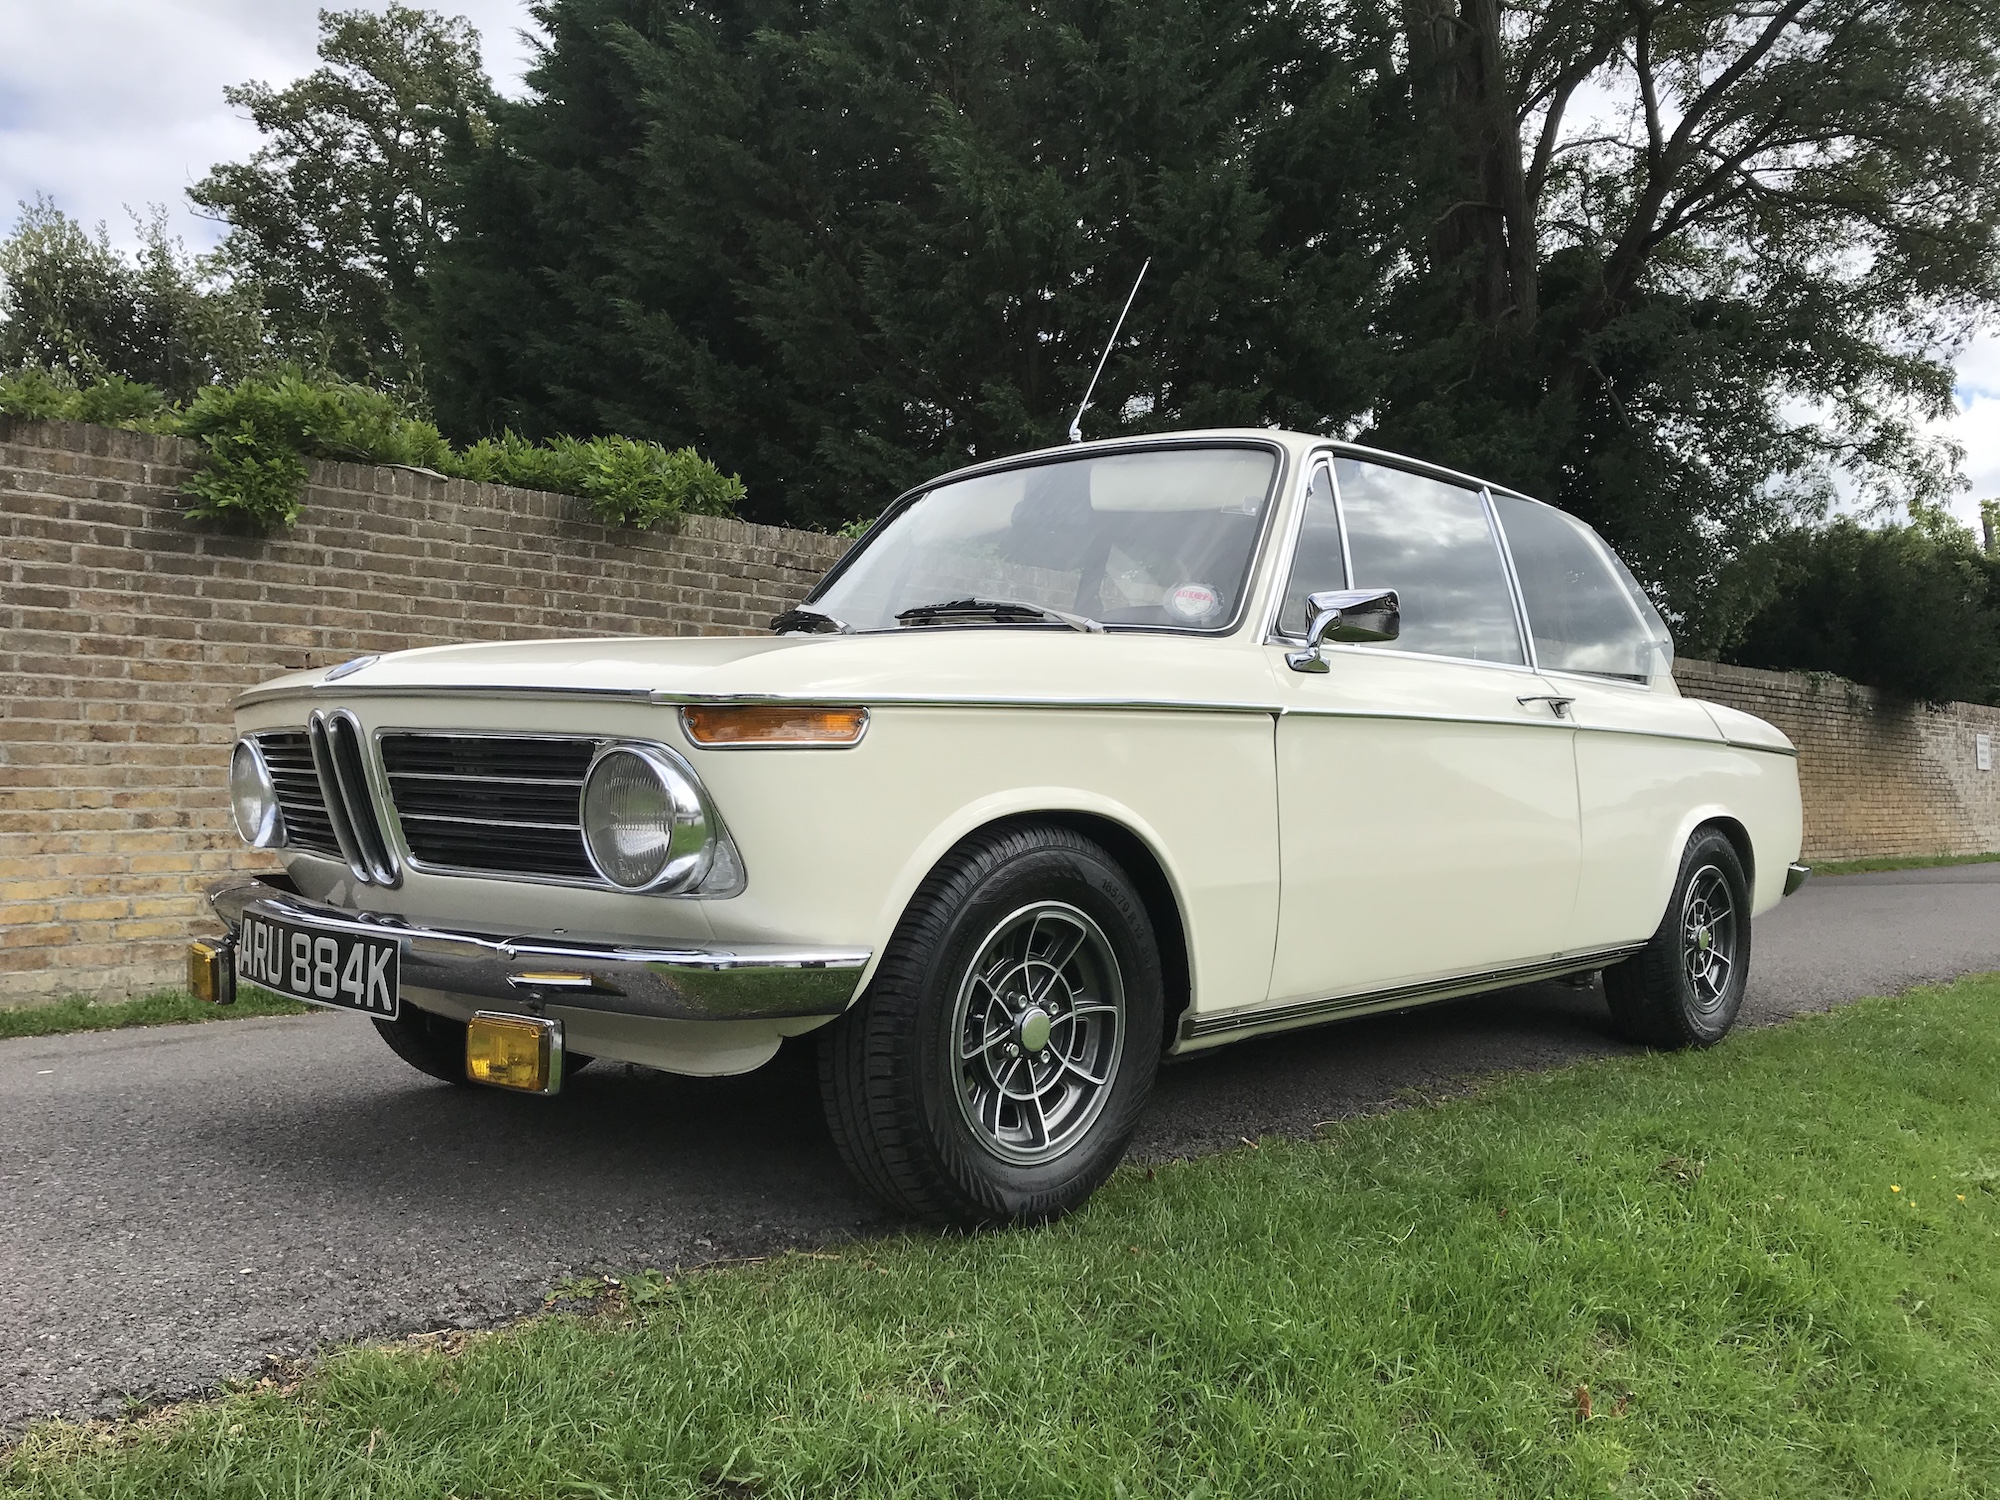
{"x":162,"y":1008}
{"x":1899,"y":862}
{"x":1768,"y":1270}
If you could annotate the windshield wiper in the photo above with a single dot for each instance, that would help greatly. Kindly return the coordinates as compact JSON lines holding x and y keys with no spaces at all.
{"x":995,"y":611}
{"x":809,"y":622}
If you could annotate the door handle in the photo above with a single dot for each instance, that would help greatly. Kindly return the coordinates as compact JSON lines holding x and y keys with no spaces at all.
{"x":1558,"y":705}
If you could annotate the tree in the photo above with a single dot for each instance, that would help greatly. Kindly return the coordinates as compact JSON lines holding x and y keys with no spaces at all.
{"x":1745,"y":268}
{"x":1913,"y":609}
{"x":338,"y":216}
{"x":842,"y":246}
{"x":72,"y":305}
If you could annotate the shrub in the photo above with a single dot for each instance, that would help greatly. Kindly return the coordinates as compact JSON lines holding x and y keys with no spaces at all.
{"x":1912,"y":609}
{"x":257,"y":434}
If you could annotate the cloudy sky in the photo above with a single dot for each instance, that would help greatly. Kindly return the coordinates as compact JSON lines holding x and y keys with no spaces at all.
{"x":106,"y":104}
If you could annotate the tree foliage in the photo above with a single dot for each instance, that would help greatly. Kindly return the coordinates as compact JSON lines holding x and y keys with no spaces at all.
{"x":850,"y":244}
{"x":846,"y":244}
{"x":341,"y":212}
{"x":80,"y":312}
{"x":1743,"y":272}
{"x":1913,"y":609}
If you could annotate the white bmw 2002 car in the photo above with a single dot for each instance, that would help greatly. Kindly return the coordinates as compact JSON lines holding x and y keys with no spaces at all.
{"x":1077,"y":760}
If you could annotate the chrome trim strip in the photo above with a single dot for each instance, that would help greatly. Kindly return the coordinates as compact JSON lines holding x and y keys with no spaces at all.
{"x":701,"y":982}
{"x":335,"y":801}
{"x":255,"y":695}
{"x":1521,"y":622}
{"x":410,"y":817}
{"x":1305,"y":1012}
{"x":1791,"y":750}
{"x":969,"y":700}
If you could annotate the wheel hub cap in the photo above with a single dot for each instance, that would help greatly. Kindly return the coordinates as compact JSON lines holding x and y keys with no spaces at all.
{"x":1039,"y":1024}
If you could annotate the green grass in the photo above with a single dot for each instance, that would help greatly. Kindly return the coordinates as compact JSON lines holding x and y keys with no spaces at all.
{"x":1898,"y":862}
{"x":1775,"y":1267}
{"x":162,"y":1008}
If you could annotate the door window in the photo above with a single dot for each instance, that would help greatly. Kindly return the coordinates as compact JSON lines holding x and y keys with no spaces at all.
{"x":1580,"y":612}
{"x":1432,"y":543}
{"x":1318,"y":563}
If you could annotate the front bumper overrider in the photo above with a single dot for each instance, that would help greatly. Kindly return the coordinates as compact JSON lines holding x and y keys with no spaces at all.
{"x":708,"y":982}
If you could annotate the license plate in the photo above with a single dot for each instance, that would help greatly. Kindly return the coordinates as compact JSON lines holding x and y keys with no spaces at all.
{"x":340,"y":969}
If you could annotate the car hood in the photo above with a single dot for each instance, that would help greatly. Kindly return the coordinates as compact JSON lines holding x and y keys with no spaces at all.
{"x":979,"y":663}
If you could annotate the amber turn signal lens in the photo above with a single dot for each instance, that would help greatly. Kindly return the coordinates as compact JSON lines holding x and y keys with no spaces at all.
{"x":514,"y":1052}
{"x":212,"y":971}
{"x":773,"y":724}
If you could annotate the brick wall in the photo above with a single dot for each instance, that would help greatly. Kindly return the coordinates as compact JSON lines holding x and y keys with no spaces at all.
{"x":1878,"y":775}
{"x":125,"y":631}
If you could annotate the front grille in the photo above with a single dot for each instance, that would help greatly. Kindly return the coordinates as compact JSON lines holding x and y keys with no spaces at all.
{"x":288,"y":753}
{"x":491,"y":803}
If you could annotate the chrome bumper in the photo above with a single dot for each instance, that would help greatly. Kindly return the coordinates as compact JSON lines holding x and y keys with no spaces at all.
{"x":740,"y":982}
{"x":1795,"y":876}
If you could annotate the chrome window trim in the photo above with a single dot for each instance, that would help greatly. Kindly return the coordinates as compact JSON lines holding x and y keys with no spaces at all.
{"x":1528,"y":652}
{"x":1103,"y":448}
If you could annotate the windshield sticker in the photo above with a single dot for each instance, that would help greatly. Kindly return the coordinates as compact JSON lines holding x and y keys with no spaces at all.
{"x":1194,"y":602}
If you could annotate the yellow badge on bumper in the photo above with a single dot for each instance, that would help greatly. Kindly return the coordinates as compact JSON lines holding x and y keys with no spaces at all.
{"x":514,"y":1052}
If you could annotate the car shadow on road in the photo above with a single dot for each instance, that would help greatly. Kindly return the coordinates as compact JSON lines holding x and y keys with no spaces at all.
{"x":727,"y":1143}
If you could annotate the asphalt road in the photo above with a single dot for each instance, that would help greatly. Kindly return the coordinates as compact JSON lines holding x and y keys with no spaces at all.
{"x":180,"y":1205}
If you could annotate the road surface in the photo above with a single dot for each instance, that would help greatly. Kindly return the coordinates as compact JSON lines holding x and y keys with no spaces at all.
{"x":182,"y":1204}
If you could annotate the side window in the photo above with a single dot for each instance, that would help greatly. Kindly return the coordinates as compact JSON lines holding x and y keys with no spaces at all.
{"x":1579,"y":612}
{"x":1318,"y":563}
{"x":1430,"y":541}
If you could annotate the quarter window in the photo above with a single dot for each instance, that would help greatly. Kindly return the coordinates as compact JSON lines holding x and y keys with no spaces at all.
{"x":1431,"y":542}
{"x":1319,"y":563}
{"x":1579,"y":611}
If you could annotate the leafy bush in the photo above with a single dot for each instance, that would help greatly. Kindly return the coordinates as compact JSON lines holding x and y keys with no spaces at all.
{"x":257,"y":435}
{"x":1912,"y":609}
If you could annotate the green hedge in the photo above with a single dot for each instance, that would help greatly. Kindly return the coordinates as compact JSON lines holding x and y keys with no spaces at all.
{"x":257,"y":435}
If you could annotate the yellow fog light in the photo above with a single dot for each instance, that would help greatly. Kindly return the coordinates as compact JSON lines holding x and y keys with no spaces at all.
{"x":514,"y":1052}
{"x":212,"y":970}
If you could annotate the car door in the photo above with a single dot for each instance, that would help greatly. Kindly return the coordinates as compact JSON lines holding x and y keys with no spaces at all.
{"x":1427,"y":788}
{"x":1639,"y":760}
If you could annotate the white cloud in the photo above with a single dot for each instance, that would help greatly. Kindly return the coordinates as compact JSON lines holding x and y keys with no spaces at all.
{"x":106,"y":104}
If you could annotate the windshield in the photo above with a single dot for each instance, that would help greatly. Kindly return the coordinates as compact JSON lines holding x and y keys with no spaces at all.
{"x":1162,"y":538}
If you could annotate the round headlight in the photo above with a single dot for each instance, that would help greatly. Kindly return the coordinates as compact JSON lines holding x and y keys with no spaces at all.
{"x":643,"y":821}
{"x":253,"y":797}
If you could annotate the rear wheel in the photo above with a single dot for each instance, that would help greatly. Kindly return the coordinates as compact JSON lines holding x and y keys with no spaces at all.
{"x":1685,"y":987}
{"x":997,"y":1066}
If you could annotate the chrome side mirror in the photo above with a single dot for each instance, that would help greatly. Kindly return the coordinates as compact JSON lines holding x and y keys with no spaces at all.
{"x":1347,"y":615}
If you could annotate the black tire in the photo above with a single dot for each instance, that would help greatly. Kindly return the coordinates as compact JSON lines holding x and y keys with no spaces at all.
{"x":435,"y":1044}
{"x":428,"y":1042}
{"x":901,"y":1093}
{"x":1672,"y":993}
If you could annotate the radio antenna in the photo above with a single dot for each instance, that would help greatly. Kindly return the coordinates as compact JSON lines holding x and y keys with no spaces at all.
{"x":1076,"y":422}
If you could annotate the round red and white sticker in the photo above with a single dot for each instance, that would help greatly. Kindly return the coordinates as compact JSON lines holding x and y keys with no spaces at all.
{"x":1194,"y":602}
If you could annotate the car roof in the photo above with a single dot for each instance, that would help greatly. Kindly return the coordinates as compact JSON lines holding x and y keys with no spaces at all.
{"x":1297,"y":445}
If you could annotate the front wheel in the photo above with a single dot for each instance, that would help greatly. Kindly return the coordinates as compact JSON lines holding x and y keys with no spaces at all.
{"x":1685,"y":987}
{"x":997,"y":1066}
